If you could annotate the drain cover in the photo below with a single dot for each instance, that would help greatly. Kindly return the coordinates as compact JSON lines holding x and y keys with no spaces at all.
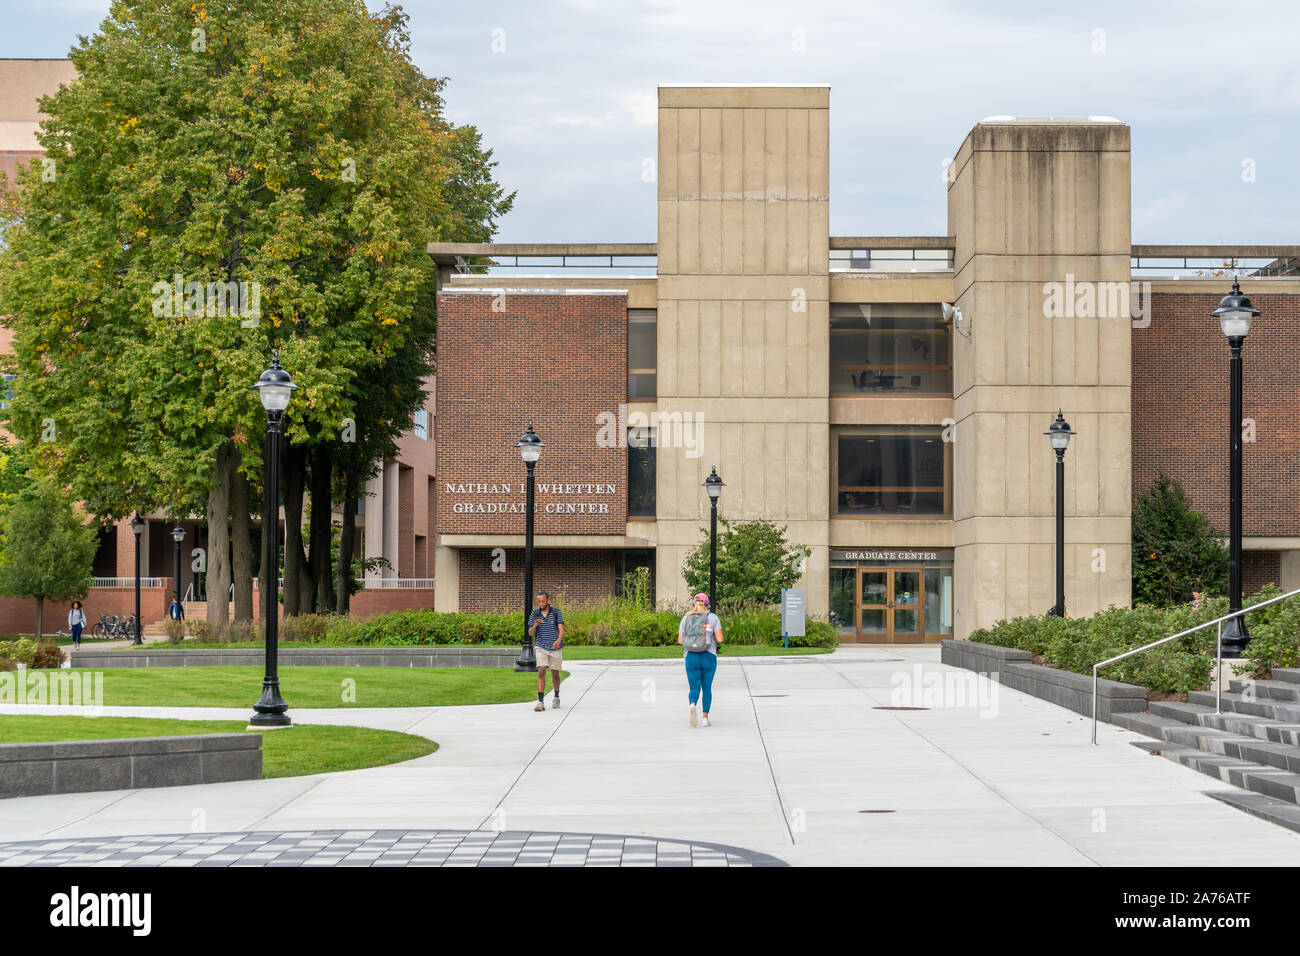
{"x":900,"y":708}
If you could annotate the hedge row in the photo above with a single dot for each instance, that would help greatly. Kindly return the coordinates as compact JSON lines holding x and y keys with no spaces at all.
{"x":1075,"y":644}
{"x":29,"y":653}
{"x":609,"y":625}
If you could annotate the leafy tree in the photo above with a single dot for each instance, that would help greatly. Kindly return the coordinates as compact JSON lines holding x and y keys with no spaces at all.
{"x":1175,"y":551}
{"x":754,"y":563}
{"x":288,"y":146}
{"x":47,"y":551}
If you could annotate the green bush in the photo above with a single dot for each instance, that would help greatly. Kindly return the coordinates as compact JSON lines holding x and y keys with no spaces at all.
{"x":47,"y":655}
{"x":174,"y":629}
{"x":306,"y":627}
{"x":1184,"y":665}
{"x":21,"y":651}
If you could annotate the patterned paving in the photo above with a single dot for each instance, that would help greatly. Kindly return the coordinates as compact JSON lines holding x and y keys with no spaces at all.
{"x":378,"y":848}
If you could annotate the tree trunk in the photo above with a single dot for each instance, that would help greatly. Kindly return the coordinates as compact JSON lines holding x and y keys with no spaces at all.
{"x":242,"y":532}
{"x":219,"y":537}
{"x":322,"y":510}
{"x":40,"y":618}
{"x":347,"y":541}
{"x":295,"y":562}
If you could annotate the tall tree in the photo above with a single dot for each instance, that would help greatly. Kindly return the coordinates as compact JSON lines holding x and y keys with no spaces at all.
{"x":228,"y":178}
{"x":46,"y":549}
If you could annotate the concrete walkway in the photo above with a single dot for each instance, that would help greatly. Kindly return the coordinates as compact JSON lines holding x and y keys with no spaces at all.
{"x":799,"y":764}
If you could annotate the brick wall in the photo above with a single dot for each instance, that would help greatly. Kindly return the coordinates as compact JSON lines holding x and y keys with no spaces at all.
{"x":572,"y":578}
{"x":1257,"y":569}
{"x":18,"y":615}
{"x":557,"y":359}
{"x":367,"y":604}
{"x":1180,"y":408}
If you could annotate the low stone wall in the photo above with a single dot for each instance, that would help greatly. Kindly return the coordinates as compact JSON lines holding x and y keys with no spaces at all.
{"x":79,"y":766}
{"x":181,"y":656}
{"x":1015,"y":669}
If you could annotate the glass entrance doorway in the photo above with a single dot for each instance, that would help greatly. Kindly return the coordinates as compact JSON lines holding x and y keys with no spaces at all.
{"x":892,"y":604}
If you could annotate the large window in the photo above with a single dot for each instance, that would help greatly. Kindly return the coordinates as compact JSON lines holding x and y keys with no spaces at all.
{"x":642,"y":357}
{"x":896,"y":471}
{"x":890,"y":350}
{"x":641,"y":472}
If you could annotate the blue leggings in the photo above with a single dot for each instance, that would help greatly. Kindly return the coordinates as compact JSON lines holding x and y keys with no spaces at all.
{"x":700,"y":667}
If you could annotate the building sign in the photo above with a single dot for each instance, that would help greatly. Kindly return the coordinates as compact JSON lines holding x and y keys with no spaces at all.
{"x":508,"y":497}
{"x":891,"y":557}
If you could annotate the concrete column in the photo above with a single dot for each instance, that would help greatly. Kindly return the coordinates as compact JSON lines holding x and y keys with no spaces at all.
{"x":446,"y":572}
{"x":374,"y":529}
{"x":743,"y":322}
{"x":1040,"y":213}
{"x":392,"y":507}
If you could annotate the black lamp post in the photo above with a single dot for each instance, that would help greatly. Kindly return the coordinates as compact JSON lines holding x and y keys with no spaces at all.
{"x":1059,"y":432}
{"x":530,"y":449}
{"x":274,"y":388}
{"x":137,"y":528}
{"x":1234,"y":314}
{"x":178,"y":535}
{"x":713,"y":484}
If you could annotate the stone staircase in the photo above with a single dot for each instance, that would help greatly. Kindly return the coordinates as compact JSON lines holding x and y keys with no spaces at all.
{"x":1253,"y":744}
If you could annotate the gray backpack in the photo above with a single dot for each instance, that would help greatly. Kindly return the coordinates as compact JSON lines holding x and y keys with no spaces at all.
{"x":695,"y":634}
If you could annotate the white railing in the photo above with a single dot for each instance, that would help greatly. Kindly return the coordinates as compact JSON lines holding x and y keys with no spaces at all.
{"x":128,"y":582}
{"x":1218,"y":653}
{"x":383,"y":584}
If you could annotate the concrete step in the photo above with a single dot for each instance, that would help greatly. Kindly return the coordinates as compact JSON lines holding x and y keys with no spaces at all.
{"x":1289,"y":675}
{"x":1187,"y":713}
{"x":1263,"y":779}
{"x":1260,"y":728}
{"x":1152,"y":724}
{"x":1280,"y":711}
{"x":1266,"y":689}
{"x":1266,"y":808}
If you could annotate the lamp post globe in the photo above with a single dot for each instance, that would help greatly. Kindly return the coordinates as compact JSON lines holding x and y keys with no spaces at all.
{"x":1059,"y":434}
{"x":530,"y":450}
{"x":713,"y":485}
{"x":275,"y":390}
{"x":1235,"y":314}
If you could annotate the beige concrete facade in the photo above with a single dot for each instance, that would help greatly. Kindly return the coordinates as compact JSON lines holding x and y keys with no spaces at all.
{"x":1029,"y":204}
{"x":743,"y":290}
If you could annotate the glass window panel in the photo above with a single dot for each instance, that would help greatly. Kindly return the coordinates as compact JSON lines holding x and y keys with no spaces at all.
{"x":843,"y":582}
{"x":874,"y":587}
{"x":641,"y":472}
{"x":873,"y":620}
{"x":642,"y":355}
{"x":938,"y":600}
{"x":891,"y":473}
{"x":885,"y":349}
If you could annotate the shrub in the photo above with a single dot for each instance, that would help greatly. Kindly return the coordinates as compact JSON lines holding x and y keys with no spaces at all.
{"x":47,"y":655}
{"x":174,"y":629}
{"x":200,"y":630}
{"x":7,"y":665}
{"x":242,"y":632}
{"x":306,"y":627}
{"x":21,"y":651}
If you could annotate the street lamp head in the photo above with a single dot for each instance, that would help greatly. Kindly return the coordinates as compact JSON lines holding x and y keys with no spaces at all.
{"x":530,"y":446}
{"x":178,"y":534}
{"x":275,"y":387}
{"x":1060,"y":432}
{"x":1235,"y":312}
{"x":137,"y":525}
{"x":713,"y":484}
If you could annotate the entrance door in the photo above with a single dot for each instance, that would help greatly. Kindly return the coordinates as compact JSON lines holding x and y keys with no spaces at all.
{"x":891,"y":605}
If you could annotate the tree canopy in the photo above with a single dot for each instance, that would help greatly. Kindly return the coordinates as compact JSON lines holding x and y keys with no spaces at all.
{"x":1175,"y":551}
{"x":754,"y":563}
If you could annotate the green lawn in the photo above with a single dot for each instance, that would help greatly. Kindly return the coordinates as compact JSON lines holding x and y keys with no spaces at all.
{"x":315,"y":686}
{"x":576,"y":652}
{"x":290,"y":752}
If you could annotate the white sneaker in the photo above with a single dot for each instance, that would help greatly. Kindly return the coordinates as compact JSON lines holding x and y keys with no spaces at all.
{"x":694,"y":720}
{"x":706,"y":722}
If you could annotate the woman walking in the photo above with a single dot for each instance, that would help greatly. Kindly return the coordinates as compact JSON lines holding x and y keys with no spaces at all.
{"x":700,"y":633}
{"x":76,"y":621}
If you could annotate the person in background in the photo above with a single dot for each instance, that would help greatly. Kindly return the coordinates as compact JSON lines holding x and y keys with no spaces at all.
{"x":546,"y":628}
{"x":177,"y":611}
{"x":76,"y":621}
{"x":700,"y":633}
{"x":1198,"y":596}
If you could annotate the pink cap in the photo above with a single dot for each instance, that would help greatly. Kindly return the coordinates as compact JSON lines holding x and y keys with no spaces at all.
{"x":702,"y":597}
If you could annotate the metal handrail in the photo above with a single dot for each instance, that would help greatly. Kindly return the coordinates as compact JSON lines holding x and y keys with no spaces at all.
{"x":1218,"y":653}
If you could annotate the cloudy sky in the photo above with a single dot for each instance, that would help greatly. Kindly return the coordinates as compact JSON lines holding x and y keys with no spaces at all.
{"x":564,"y":90}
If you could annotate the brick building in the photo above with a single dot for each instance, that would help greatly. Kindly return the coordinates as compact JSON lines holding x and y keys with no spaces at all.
{"x":882,"y":398}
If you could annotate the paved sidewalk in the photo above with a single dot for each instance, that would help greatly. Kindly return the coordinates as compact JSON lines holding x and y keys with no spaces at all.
{"x":801,"y":764}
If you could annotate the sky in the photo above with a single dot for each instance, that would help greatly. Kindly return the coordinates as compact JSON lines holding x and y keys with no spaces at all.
{"x":564,"y":91}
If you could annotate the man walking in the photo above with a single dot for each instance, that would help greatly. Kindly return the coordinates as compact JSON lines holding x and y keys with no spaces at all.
{"x":546,"y":628}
